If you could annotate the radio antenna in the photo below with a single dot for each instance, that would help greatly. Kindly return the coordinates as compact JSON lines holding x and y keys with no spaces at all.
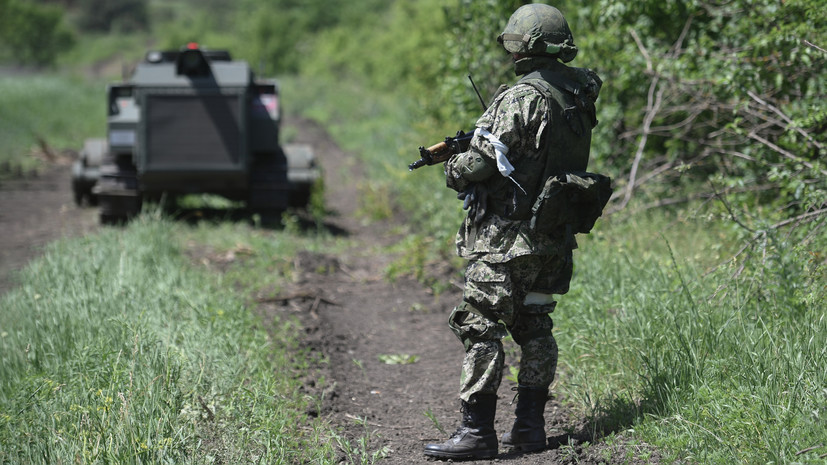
{"x":482,"y":102}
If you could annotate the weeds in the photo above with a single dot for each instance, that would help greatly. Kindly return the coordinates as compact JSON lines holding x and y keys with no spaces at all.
{"x":654,"y":325}
{"x":361,"y":451}
{"x":712,"y":376}
{"x":430,"y":415}
{"x":39,"y":111}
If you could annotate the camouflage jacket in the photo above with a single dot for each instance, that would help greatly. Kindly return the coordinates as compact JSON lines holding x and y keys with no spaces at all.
{"x":506,"y":164}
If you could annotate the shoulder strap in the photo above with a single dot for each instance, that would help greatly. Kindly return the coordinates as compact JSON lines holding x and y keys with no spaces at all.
{"x":584,"y":96}
{"x":545,"y":78}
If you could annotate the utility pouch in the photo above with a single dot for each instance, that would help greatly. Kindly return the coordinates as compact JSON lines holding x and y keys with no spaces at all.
{"x":575,"y":199}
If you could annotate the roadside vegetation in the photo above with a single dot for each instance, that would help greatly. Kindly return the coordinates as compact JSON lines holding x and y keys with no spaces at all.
{"x":697,"y":319}
{"x":33,"y":115}
{"x":121,"y":348}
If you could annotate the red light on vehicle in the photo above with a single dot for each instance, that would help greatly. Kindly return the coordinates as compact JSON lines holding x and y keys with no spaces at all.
{"x":192,"y":45}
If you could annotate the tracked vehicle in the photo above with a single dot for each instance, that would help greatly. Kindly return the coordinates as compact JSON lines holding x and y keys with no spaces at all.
{"x":193,"y":121}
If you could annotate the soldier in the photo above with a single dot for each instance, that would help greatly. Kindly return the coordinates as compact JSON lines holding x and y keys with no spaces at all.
{"x":539,"y":128}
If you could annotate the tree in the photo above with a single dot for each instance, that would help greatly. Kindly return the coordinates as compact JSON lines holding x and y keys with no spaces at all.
{"x":472,"y":49}
{"x":108,"y":15}
{"x":31,"y":33}
{"x":730,"y":91}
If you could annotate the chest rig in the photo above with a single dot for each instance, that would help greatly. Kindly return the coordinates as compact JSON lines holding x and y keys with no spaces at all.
{"x":569,"y":94}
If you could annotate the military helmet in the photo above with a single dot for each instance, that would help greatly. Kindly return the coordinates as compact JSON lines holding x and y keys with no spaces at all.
{"x":538,"y":29}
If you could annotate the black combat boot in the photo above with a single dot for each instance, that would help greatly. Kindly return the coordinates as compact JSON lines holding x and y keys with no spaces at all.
{"x":475,"y":438}
{"x":528,"y":433}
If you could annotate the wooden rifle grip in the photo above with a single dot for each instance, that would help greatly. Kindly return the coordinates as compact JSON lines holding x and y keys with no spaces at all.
{"x":436,"y":149}
{"x":440,"y":152}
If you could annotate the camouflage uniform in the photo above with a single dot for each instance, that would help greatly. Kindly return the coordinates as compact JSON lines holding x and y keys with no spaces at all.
{"x":499,"y":177}
{"x":538,"y":130}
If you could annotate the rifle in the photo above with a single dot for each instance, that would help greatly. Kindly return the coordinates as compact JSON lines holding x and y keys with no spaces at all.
{"x":442,"y":151}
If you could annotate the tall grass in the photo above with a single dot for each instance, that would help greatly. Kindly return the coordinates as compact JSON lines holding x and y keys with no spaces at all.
{"x":107,"y":56}
{"x":117,"y":349}
{"x":58,"y":110}
{"x":713,"y":368}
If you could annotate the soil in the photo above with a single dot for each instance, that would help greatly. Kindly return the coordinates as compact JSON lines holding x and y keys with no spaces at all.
{"x":36,"y":209}
{"x":354,"y":318}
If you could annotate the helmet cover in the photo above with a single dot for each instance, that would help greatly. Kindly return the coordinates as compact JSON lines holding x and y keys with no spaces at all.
{"x":538,"y":29}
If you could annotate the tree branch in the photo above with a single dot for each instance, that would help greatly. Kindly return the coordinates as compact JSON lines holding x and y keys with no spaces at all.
{"x":652,"y":107}
{"x":786,"y":118}
{"x":793,"y":157}
{"x":729,"y":209}
{"x":810,"y":44}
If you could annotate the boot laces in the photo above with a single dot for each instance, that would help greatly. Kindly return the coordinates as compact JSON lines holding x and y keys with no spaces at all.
{"x":460,"y":430}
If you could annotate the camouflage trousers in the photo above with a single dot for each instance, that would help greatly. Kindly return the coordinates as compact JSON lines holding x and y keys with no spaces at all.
{"x":494,"y":305}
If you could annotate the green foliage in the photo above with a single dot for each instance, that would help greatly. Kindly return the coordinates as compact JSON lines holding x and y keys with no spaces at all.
{"x":283,"y":35}
{"x":720,"y":364}
{"x":358,"y":118}
{"x":378,"y":49}
{"x":107,"y":57}
{"x":471,"y":48}
{"x":31,"y":33}
{"x":113,"y":15}
{"x":117,"y":349}
{"x":651,"y":346}
{"x":363,"y":451}
{"x":702,"y":330}
{"x":691,"y":85}
{"x":42,"y":109}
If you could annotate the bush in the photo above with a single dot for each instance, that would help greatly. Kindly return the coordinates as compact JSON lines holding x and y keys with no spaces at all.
{"x":31,"y":33}
{"x":113,"y":15}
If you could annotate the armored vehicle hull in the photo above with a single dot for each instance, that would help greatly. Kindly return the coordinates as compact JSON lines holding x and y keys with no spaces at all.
{"x":193,"y":121}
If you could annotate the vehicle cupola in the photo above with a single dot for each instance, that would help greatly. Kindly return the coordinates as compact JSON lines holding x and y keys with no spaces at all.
{"x":192,"y":62}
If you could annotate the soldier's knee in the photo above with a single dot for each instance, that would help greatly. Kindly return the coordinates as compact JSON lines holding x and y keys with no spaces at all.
{"x":471,"y":325}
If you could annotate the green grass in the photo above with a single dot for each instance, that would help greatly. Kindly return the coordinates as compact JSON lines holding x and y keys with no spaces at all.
{"x":383,"y":133}
{"x":58,"y":110}
{"x":258,"y":261}
{"x":119,"y":348}
{"x":107,"y":55}
{"x":710,"y":368}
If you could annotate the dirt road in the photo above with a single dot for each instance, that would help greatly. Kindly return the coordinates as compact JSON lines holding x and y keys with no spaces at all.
{"x":35,"y":211}
{"x":353,"y":317}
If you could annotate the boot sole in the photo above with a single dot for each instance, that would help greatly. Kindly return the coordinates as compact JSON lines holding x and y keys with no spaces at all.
{"x":527,"y":447}
{"x":486,"y":454}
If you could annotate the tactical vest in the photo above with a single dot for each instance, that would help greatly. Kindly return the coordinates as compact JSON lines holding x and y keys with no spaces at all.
{"x":569,"y":94}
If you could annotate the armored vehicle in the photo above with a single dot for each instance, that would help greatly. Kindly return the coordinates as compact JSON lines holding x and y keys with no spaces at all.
{"x":192,"y":121}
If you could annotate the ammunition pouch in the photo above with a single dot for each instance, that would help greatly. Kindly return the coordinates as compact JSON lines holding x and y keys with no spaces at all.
{"x":572,"y":201}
